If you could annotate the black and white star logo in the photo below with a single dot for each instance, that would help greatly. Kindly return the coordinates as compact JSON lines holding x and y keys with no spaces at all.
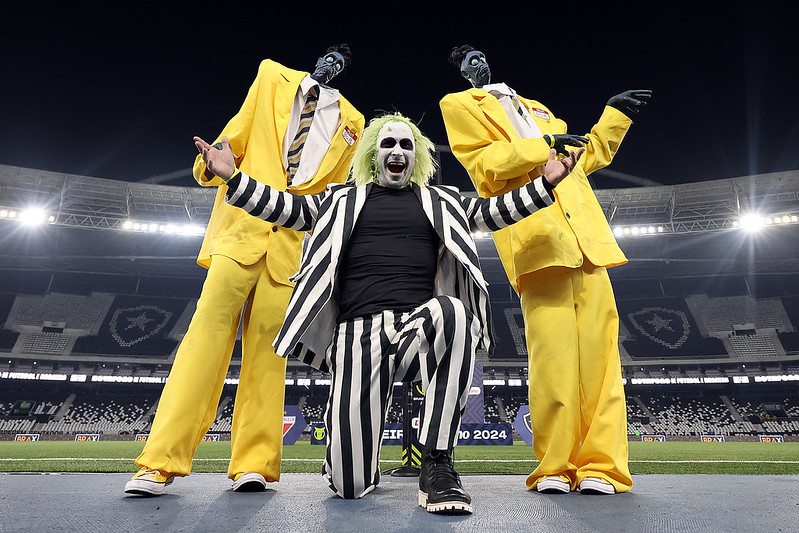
{"x":667,"y":327}
{"x":132,"y":325}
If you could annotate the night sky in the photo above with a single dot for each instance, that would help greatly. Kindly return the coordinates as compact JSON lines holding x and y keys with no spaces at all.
{"x":117,"y":91}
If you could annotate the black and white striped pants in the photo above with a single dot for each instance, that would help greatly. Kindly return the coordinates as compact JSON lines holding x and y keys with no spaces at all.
{"x":436,"y":343}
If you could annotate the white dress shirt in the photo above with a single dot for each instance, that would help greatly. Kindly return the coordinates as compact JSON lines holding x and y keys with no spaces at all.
{"x":525,"y":127}
{"x":326,"y":121}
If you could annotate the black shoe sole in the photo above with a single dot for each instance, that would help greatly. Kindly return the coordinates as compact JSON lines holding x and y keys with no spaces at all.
{"x":451,"y":507}
{"x":251,"y":486}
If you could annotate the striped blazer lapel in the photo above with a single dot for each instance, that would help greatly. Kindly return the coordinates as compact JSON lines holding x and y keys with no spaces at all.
{"x":459,"y":272}
{"x":455,"y":233}
{"x":434,"y":209}
{"x":311,"y":315}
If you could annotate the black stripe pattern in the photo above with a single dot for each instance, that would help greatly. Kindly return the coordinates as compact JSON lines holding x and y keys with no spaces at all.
{"x":435,"y":343}
{"x":306,"y":117}
{"x":311,"y":317}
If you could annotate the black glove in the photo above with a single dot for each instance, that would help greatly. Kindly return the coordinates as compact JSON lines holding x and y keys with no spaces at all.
{"x":559,"y":141}
{"x":630,"y":101}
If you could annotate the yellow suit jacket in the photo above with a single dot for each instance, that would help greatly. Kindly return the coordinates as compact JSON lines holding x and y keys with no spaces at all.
{"x":256,"y":137}
{"x":483,"y":139}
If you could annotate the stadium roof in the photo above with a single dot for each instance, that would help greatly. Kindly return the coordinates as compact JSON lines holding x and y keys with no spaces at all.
{"x":676,"y":230}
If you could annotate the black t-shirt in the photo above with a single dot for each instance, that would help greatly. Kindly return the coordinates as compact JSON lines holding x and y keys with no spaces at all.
{"x":390,"y":260}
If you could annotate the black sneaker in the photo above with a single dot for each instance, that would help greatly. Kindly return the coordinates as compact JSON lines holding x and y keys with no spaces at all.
{"x":440,"y":489}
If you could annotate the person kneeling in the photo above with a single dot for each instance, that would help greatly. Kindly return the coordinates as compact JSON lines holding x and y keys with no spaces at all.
{"x":389,"y":289}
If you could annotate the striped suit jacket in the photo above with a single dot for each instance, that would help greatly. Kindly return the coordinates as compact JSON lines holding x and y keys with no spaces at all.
{"x":311,"y":315}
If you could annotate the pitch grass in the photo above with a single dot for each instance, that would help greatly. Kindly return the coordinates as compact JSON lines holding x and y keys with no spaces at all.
{"x":645,"y":458}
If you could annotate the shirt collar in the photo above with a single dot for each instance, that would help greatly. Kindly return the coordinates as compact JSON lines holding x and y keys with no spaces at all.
{"x":327,"y":95}
{"x":499,"y":89}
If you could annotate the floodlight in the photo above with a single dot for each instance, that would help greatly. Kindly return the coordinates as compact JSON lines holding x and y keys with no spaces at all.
{"x":750,"y":222}
{"x":33,"y":216}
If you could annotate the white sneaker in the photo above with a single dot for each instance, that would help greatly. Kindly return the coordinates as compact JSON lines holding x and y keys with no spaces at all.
{"x":553,"y":485}
{"x":594,"y":485}
{"x":147,"y":482}
{"x":249,"y":482}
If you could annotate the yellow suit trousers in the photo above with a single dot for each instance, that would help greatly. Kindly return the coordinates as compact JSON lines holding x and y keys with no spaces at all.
{"x":191,"y":395}
{"x":577,"y":404}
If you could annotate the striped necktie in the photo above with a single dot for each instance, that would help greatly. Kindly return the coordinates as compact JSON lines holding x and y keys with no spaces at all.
{"x":518,"y":105}
{"x":295,"y":150}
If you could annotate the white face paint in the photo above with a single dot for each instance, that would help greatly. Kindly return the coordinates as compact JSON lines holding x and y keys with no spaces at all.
{"x":395,"y":155}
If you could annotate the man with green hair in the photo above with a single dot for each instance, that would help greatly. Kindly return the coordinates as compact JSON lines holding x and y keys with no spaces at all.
{"x":389,"y":289}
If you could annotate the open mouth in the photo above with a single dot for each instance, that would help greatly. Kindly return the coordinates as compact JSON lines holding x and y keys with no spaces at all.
{"x":396,"y":167}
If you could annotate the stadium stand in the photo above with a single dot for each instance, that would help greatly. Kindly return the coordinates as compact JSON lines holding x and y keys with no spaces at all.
{"x":93,"y":414}
{"x":224,"y":416}
{"x":755,"y":345}
{"x":512,"y":401}
{"x":135,"y":326}
{"x":701,"y":303}
{"x":66,"y":311}
{"x":509,"y":326}
{"x":637,"y":420}
{"x":125,"y":409}
{"x":8,"y":338}
{"x":664,"y":327}
{"x":722,"y":314}
{"x":313,"y":409}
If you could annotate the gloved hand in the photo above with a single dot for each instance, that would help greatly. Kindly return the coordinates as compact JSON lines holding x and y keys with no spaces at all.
{"x":630,"y":101}
{"x":559,"y":141}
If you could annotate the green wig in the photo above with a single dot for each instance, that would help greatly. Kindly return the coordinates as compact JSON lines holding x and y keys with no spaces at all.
{"x":364,"y":167}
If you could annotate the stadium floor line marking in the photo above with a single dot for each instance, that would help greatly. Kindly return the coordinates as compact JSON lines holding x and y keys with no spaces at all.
{"x":399,"y":461}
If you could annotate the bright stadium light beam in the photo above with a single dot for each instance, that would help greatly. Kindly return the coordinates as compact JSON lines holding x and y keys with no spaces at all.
{"x":169,"y":228}
{"x":750,"y":223}
{"x":33,"y":216}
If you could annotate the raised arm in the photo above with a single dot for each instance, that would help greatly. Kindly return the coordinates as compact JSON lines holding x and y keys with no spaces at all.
{"x":278,"y":207}
{"x":606,"y":135}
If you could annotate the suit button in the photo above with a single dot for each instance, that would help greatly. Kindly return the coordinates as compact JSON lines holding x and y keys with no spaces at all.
{"x":568,"y":215}
{"x":274,"y":228}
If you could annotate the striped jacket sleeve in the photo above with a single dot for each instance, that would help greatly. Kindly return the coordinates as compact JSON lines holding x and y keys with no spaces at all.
{"x":492,"y":214}
{"x":297,"y":212}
